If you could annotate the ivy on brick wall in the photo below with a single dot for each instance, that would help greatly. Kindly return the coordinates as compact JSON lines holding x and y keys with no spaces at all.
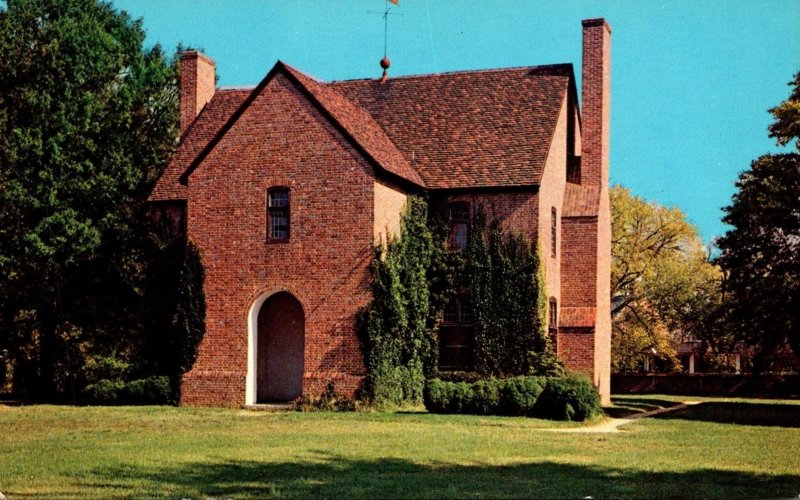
{"x":413,"y":277}
{"x":400,"y":348}
{"x":509,"y":299}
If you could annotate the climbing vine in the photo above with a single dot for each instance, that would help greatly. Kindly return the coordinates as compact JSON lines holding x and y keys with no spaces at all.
{"x":414,"y":276}
{"x":400,"y":348}
{"x":509,"y":298}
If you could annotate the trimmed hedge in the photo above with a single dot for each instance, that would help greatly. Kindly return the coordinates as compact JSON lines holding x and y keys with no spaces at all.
{"x":569,"y":398}
{"x":151,"y":390}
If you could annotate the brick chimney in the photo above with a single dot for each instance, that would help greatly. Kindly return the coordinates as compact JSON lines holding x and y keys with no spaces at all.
{"x":595,"y":132}
{"x":198,"y":81}
{"x":596,"y":96}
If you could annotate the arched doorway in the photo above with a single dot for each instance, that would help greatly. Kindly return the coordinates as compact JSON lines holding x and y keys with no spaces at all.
{"x":281,"y":343}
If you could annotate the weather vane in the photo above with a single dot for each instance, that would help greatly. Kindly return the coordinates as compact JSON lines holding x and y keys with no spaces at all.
{"x":385,"y":62}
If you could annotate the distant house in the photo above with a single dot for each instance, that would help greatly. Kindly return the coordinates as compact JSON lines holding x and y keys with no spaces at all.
{"x":286,"y":188}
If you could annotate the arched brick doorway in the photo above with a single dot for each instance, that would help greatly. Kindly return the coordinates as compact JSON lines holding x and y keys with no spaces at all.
{"x":281,"y":343}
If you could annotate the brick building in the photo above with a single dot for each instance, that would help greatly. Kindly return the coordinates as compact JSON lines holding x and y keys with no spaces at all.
{"x":286,"y":188}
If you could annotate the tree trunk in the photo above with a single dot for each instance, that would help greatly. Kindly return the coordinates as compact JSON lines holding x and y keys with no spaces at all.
{"x":47,"y":353}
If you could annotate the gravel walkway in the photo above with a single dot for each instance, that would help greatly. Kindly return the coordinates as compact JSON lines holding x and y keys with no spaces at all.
{"x":613,"y":424}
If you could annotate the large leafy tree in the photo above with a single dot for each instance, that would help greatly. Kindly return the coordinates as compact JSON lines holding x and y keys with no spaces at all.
{"x":87,"y":118}
{"x":663,"y":287}
{"x":761,"y":254}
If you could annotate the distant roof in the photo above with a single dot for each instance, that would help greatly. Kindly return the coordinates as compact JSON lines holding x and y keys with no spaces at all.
{"x":469,"y":129}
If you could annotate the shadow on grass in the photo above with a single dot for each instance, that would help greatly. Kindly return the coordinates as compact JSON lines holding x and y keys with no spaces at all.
{"x":627,"y":407}
{"x":764,"y":414}
{"x":338,"y":477}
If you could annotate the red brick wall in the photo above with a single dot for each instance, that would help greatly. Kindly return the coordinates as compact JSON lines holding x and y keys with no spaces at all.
{"x":281,"y":140}
{"x":575,"y":348}
{"x":515,"y":210}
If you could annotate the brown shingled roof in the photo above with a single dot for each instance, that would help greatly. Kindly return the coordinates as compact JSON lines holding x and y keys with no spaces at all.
{"x":489,"y":128}
{"x":360,"y":126}
{"x":203,"y":129}
{"x":469,"y":129}
{"x":581,"y":200}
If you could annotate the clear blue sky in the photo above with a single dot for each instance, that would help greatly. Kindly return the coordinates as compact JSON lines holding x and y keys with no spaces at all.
{"x":692,"y":79}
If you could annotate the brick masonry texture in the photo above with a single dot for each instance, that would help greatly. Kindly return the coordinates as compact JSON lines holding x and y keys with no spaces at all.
{"x":350,"y":152}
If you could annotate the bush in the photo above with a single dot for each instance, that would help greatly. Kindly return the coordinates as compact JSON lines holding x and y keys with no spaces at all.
{"x":514,"y":396}
{"x":448,"y":397}
{"x":460,"y":376}
{"x":148,"y":391}
{"x":485,"y":397}
{"x":104,"y":391}
{"x":518,"y":395}
{"x":330,"y":400}
{"x":151,"y":390}
{"x":569,"y":398}
{"x":105,"y":367}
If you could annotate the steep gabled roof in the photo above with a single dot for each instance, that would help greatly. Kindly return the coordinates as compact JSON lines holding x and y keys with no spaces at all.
{"x":360,"y":126}
{"x":210,"y":120}
{"x":470,"y":129}
{"x":488,"y":128}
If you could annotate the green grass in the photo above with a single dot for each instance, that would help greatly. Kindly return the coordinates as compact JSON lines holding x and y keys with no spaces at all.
{"x":729,"y":448}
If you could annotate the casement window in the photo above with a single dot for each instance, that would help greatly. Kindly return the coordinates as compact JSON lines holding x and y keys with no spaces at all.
{"x":456,"y":336}
{"x":553,"y":231}
{"x":552,"y":315}
{"x":278,"y":214}
{"x":459,"y":225}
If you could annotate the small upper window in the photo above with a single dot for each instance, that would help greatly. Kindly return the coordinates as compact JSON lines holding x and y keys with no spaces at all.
{"x":278,"y":214}
{"x":459,"y":225}
{"x":553,"y":231}
{"x":553,"y":314}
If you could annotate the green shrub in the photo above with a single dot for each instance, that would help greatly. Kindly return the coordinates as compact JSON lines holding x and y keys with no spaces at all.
{"x":104,"y":391}
{"x":147,"y":391}
{"x":151,"y":390}
{"x":435,"y":396}
{"x":105,"y":367}
{"x":570,"y":398}
{"x":514,"y":396}
{"x":460,"y":376}
{"x":518,"y":395}
{"x":485,"y":396}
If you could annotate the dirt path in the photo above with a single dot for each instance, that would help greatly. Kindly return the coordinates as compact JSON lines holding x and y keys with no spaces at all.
{"x":613,"y":424}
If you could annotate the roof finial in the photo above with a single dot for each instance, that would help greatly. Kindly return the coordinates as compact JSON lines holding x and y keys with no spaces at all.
{"x":385,"y":63}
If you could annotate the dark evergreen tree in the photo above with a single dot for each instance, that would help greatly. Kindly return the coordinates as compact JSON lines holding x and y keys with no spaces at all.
{"x":761,"y":254}
{"x":87,"y":119}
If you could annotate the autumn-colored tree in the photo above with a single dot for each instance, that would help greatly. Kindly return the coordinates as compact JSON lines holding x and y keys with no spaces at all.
{"x":664,"y":290}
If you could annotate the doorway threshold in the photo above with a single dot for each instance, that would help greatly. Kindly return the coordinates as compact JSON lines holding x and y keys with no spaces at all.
{"x":277,"y":406}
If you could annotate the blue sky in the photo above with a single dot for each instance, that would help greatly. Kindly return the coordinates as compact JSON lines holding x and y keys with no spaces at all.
{"x":692,"y":79}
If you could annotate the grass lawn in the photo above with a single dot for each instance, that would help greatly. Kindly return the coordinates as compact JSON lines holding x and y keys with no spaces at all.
{"x":731,"y":448}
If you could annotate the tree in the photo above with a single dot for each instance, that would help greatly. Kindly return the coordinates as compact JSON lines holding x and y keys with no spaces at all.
{"x":664,"y":290}
{"x":761,"y":254}
{"x":87,"y":119}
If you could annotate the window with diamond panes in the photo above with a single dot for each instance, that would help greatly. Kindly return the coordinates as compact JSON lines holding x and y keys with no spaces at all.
{"x":278,"y":214}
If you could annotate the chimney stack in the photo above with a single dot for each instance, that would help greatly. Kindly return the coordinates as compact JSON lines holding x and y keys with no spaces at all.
{"x":197,"y":85}
{"x":596,"y":96}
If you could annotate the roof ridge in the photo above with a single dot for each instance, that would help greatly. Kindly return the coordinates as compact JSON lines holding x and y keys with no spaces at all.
{"x":567,"y":66}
